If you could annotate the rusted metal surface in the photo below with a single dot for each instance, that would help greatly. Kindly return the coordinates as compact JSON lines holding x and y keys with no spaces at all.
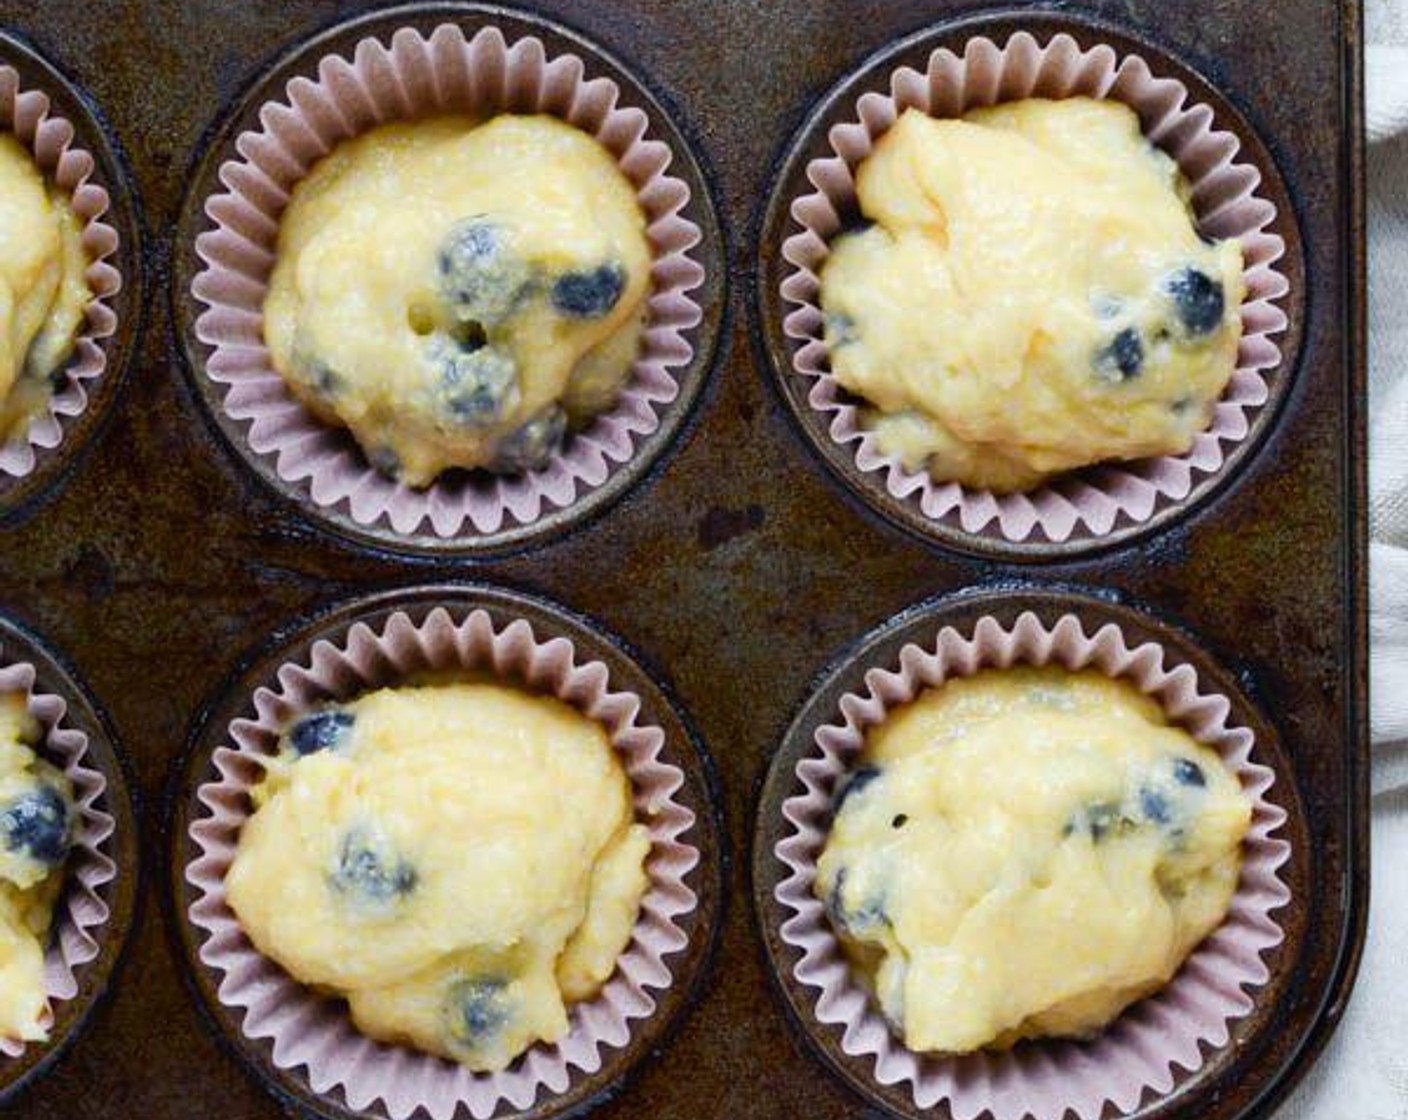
{"x":738,"y":568}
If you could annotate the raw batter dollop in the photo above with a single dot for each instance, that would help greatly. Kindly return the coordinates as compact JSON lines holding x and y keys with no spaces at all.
{"x":36,"y":830}
{"x":1026,"y":852}
{"x":43,"y":290}
{"x":460,"y":294}
{"x":459,"y":861}
{"x":1032,"y":296}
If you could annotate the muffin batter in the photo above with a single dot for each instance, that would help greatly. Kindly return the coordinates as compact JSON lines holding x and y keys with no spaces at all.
{"x":43,"y":291}
{"x":1026,"y":852}
{"x":36,"y":828}
{"x":1032,"y":296}
{"x":460,"y":294}
{"x":458,"y":860}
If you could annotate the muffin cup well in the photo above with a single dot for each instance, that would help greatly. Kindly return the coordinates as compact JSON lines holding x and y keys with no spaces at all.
{"x":1236,"y":193}
{"x":403,"y":64}
{"x":1192,"y":1029}
{"x":304,"y":1043}
{"x":43,"y":111}
{"x":93,"y":914}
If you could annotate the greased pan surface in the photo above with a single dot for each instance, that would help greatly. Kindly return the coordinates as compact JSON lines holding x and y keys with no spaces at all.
{"x":738,"y":568}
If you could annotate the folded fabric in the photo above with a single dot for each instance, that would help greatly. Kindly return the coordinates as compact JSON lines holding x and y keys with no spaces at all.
{"x":1385,"y":90}
{"x":1363,"y":1074}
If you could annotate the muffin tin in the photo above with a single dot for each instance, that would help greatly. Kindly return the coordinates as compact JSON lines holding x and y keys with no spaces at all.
{"x":736,"y":562}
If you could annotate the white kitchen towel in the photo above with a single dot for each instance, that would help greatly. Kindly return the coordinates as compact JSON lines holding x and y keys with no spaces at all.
{"x":1386,"y":101}
{"x":1363,"y":1074}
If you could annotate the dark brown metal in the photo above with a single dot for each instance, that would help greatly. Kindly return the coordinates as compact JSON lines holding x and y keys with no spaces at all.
{"x":72,"y":1016}
{"x":1245,"y":1059}
{"x":739,"y":567}
{"x":682,"y":748}
{"x":342,"y":39}
{"x":839,"y":106}
{"x":19,"y":496}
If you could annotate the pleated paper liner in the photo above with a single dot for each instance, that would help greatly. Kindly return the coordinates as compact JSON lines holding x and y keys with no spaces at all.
{"x":1154,"y":1044}
{"x":405,"y":74}
{"x":93,"y":914}
{"x":56,"y":142}
{"x":310,"y":1036}
{"x":1234,"y":194}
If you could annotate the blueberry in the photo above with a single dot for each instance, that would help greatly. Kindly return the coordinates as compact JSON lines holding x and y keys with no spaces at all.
{"x":858,"y":781}
{"x":534,"y":444}
{"x":477,"y":385}
{"x":319,"y":376}
{"x":590,"y":294}
{"x":479,"y":274}
{"x":1188,"y":773}
{"x":367,"y":870}
{"x":834,"y":905}
{"x":867,"y":917}
{"x":470,"y":336}
{"x":1154,"y":805}
{"x":478,"y":1008}
{"x":1198,"y":299}
{"x":1122,"y":358}
{"x":39,"y":823}
{"x":1101,"y":818}
{"x":319,"y":731}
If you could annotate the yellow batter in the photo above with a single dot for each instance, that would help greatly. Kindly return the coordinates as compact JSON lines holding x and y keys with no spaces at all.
{"x":43,"y":291}
{"x":1032,"y":296}
{"x":459,"y":861}
{"x":1026,"y":852}
{"x":36,"y":828}
{"x":457,"y":293}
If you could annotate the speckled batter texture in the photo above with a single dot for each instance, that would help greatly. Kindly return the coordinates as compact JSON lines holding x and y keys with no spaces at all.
{"x":1029,"y":295}
{"x":36,"y":831}
{"x":43,"y":290}
{"x":459,"y":861}
{"x":1024,"y":853}
{"x":460,"y":293}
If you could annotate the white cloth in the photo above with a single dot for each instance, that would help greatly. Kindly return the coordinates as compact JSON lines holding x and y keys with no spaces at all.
{"x":1363,"y":1074}
{"x":1386,"y":95}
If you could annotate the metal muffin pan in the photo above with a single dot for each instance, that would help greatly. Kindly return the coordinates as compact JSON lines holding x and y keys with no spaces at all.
{"x":739,"y":565}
